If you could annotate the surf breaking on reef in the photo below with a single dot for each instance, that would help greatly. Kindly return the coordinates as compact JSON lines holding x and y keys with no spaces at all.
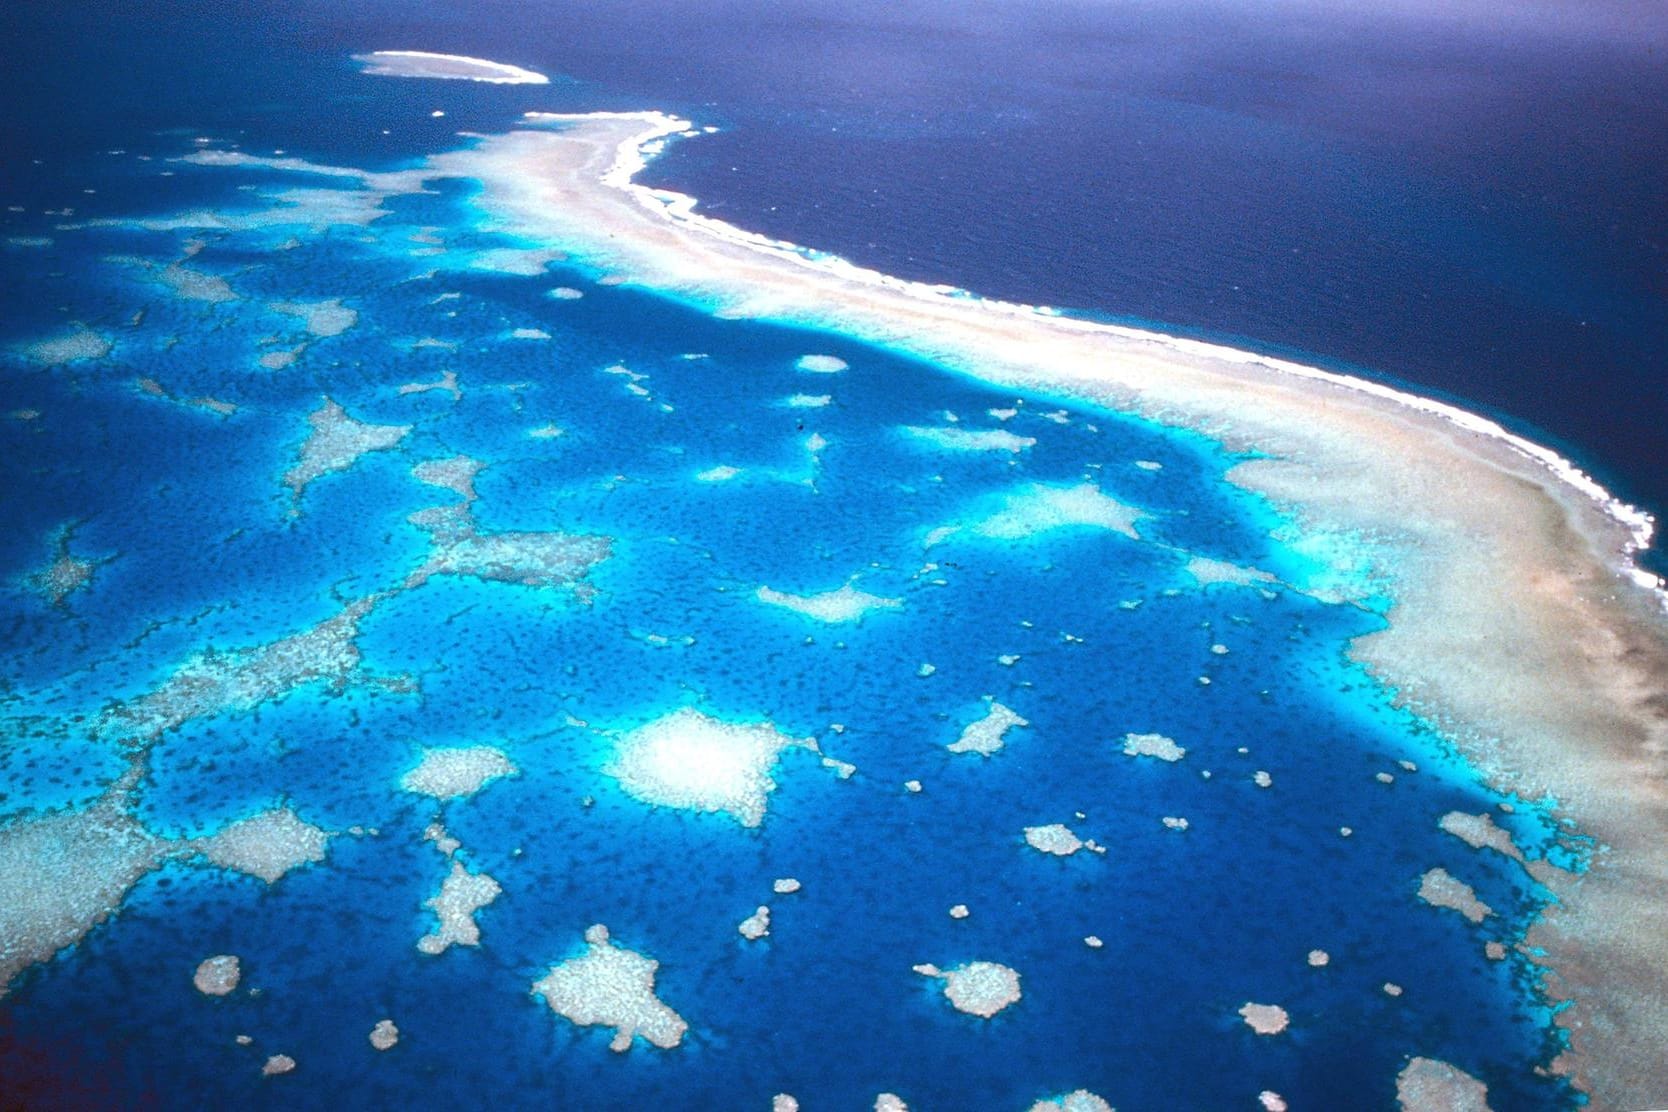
{"x":636,"y":150}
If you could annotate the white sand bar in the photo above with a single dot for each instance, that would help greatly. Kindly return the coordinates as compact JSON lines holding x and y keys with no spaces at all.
{"x":689,"y":760}
{"x":847,"y":604}
{"x":421,"y":63}
{"x":1518,"y":616}
{"x":1038,"y":508}
{"x":611,"y":986}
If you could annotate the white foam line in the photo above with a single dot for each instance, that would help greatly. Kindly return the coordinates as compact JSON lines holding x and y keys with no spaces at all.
{"x":635,"y":151}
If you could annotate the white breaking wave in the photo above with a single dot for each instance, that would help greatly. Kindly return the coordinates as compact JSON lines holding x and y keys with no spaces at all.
{"x":635,"y":151}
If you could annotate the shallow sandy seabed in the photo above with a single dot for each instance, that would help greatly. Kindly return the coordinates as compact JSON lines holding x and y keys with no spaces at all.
{"x":455,"y":773}
{"x":1440,"y":888}
{"x":461,"y":895}
{"x":980,"y":988}
{"x":1037,"y":508}
{"x":64,"y":874}
{"x":1079,"y":1100}
{"x":266,"y":845}
{"x":1153,"y":745}
{"x":756,"y":925}
{"x":321,"y":318}
{"x":611,"y":986}
{"x":970,"y":440}
{"x":1055,"y":838}
{"x":1265,"y":1019}
{"x":218,"y":976}
{"x":988,"y":735}
{"x":847,"y":604}
{"x":335,"y":443}
{"x":71,"y":347}
{"x":1430,"y":1085}
{"x":689,"y":760}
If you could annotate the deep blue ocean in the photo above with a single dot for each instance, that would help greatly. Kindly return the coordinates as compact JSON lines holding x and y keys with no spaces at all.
{"x":1467,"y":204}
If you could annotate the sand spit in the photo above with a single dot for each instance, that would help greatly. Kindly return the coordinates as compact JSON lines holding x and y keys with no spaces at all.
{"x":456,"y":773}
{"x":610,"y":986}
{"x":1519,"y":620}
{"x":980,"y":988}
{"x":218,"y":976}
{"x":1079,"y":1100}
{"x":335,"y":443}
{"x":689,"y":760}
{"x":1431,"y":1085}
{"x":421,"y":63}
{"x":847,"y":604}
{"x":987,"y":736}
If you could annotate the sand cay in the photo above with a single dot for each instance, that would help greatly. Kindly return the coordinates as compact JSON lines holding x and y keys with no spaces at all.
{"x":421,"y":63}
{"x":1520,"y":624}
